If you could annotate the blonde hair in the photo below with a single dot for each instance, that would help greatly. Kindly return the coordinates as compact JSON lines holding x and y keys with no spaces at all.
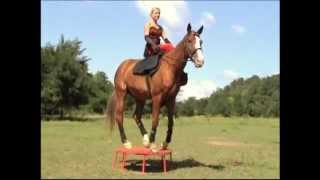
{"x":153,"y":9}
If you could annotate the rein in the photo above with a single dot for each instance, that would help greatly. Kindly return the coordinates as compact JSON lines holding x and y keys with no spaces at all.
{"x":172,"y":59}
{"x":189,"y":58}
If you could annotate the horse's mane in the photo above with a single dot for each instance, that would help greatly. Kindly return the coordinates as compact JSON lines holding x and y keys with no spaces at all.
{"x":181,"y":43}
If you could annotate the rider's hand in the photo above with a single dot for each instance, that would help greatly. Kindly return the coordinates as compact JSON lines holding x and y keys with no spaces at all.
{"x":166,"y":40}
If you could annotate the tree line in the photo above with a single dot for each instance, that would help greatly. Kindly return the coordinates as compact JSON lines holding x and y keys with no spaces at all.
{"x":254,"y":96}
{"x":67,"y":86}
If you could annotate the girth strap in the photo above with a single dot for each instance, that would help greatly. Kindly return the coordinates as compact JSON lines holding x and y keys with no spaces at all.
{"x":148,"y":83}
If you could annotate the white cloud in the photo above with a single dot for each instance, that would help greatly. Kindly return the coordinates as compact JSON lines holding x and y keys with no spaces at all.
{"x":265,"y":74}
{"x":174,"y":14}
{"x":197,"y":89}
{"x":230,"y":75}
{"x":207,"y":19}
{"x":238,"y":29}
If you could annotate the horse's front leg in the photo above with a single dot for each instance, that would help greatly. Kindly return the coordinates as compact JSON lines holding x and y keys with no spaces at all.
{"x":171,"y":109}
{"x":156,"y":105}
{"x":137,"y":117}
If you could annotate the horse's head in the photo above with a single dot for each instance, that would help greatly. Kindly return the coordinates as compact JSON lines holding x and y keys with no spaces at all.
{"x":194,"y":46}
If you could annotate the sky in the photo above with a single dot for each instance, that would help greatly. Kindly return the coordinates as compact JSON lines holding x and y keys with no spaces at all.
{"x":240,"y":38}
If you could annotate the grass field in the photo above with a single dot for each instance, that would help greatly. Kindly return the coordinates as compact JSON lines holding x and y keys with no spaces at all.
{"x":202,"y":147}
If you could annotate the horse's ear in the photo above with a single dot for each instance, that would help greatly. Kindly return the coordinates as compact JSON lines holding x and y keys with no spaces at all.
{"x":189,"y":28}
{"x":200,"y":30}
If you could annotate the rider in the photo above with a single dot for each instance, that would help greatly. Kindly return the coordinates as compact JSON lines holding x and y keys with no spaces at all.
{"x":152,"y":33}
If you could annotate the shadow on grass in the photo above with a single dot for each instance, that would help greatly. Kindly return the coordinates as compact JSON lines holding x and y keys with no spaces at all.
{"x":71,"y":118}
{"x":155,"y":166}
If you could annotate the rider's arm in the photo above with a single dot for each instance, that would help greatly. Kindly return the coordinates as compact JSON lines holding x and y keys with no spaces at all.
{"x":146,"y":29}
{"x":147,"y":38}
{"x":146,"y":34}
{"x":164,"y":37}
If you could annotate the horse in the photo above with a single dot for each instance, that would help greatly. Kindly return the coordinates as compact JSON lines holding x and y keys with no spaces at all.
{"x":162,"y":88}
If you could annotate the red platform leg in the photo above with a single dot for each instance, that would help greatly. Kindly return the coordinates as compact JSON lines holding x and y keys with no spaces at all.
{"x":115,"y":160}
{"x":143,"y":164}
{"x":124,"y":157}
{"x":164,"y":163}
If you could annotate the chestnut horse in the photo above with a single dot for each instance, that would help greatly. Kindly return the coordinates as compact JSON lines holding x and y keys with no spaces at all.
{"x":162,"y":88}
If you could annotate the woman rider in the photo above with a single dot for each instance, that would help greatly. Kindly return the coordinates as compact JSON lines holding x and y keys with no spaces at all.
{"x":152,"y":33}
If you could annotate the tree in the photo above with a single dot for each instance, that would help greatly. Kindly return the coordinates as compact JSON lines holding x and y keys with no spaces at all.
{"x":63,"y":79}
{"x":201,"y":105}
{"x":100,"y":91}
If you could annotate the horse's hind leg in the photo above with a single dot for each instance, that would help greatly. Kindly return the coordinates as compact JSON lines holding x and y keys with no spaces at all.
{"x":171,"y":108}
{"x":119,"y":117}
{"x":137,"y":117}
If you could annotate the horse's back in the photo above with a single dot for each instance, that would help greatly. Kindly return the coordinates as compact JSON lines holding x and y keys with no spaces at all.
{"x":125,"y":66}
{"x":135,"y":84}
{"x":127,"y":63}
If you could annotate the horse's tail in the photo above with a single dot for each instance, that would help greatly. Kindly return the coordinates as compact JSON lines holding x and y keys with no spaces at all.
{"x":111,"y":111}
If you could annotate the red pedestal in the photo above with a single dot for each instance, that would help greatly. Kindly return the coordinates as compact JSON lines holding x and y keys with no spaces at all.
{"x":142,"y":151}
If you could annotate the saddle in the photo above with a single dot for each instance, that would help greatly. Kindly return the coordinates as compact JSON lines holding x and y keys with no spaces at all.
{"x":148,"y":66}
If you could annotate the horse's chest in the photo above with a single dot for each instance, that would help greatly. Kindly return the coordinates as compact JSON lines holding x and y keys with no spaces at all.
{"x":165,"y":85}
{"x":174,"y":90}
{"x":170,"y":91}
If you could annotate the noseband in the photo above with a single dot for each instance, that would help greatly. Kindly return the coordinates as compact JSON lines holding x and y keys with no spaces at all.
{"x":194,"y":51}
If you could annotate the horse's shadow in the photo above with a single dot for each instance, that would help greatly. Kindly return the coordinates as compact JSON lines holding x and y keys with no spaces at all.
{"x":156,"y":165}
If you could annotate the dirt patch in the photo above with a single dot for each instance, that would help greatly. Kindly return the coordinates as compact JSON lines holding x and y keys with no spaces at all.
{"x":237,"y":163}
{"x":226,"y":143}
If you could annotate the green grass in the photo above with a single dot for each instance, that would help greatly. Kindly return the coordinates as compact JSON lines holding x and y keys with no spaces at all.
{"x":203,"y":147}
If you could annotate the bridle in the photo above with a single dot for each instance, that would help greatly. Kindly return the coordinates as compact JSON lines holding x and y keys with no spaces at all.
{"x":192,"y":54}
{"x":189,"y":57}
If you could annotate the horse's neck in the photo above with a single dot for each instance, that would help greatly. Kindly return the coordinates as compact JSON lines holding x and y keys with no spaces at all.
{"x":177,"y":57}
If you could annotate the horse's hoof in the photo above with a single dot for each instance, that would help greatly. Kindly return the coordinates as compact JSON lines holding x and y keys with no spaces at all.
{"x":164,"y":145}
{"x":153,"y":147}
{"x":145,"y":140}
{"x":127,"y":145}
